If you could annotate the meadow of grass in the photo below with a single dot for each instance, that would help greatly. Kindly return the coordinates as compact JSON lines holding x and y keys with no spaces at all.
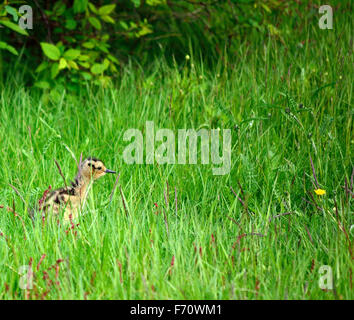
{"x":177,"y":231}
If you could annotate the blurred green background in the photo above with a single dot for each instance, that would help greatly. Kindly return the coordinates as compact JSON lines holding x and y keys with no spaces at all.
{"x":70,"y":42}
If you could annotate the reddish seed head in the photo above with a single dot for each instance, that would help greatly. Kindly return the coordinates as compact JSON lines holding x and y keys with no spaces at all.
{"x":312,"y":264}
{"x":93,"y":277}
{"x":57,"y":271}
{"x":40,"y":261}
{"x":120,"y":271}
{"x":257,"y":285}
{"x":173,"y":261}
{"x":172,"y":264}
{"x":212,"y":238}
{"x":41,"y":200}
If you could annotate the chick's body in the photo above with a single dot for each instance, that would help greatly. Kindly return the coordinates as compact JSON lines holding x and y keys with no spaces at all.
{"x":71,"y":199}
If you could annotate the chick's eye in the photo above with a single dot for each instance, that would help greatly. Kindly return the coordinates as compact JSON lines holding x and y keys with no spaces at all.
{"x":99,"y":168}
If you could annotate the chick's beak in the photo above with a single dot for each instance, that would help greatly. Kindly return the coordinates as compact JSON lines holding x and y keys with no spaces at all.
{"x":109,"y":171}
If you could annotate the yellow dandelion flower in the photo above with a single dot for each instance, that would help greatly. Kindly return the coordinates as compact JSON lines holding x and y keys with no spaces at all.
{"x":320,"y":192}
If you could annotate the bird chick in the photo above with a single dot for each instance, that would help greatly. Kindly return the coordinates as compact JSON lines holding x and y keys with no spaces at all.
{"x":71,"y":199}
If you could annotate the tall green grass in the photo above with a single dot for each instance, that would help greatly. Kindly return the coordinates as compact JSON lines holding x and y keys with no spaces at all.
{"x":184,"y":234}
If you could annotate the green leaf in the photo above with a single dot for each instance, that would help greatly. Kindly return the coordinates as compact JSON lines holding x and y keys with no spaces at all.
{"x":73,"y":65}
{"x":143,"y":31}
{"x":42,"y":84}
{"x":50,"y":50}
{"x":13,"y":12}
{"x":84,"y":57}
{"x":62,"y":64}
{"x":80,"y":6}
{"x":113,"y":59}
{"x":5,"y":46}
{"x":88,"y":45}
{"x":86,"y":75}
{"x":108,"y":19}
{"x":84,"y":64}
{"x":71,"y":54}
{"x":266,"y":8}
{"x":136,"y":3}
{"x":92,"y":8}
{"x":133,"y":24}
{"x":55,"y":95}
{"x":42,"y":67}
{"x":105,"y":37}
{"x":155,"y":2}
{"x":103,"y":47}
{"x":113,"y":68}
{"x":124,"y":25}
{"x":95,"y":23}
{"x":59,"y":8}
{"x":98,"y":68}
{"x":70,"y":24}
{"x":106,"y":63}
{"x":107,"y":9}
{"x":14,"y":27}
{"x":54,"y":70}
